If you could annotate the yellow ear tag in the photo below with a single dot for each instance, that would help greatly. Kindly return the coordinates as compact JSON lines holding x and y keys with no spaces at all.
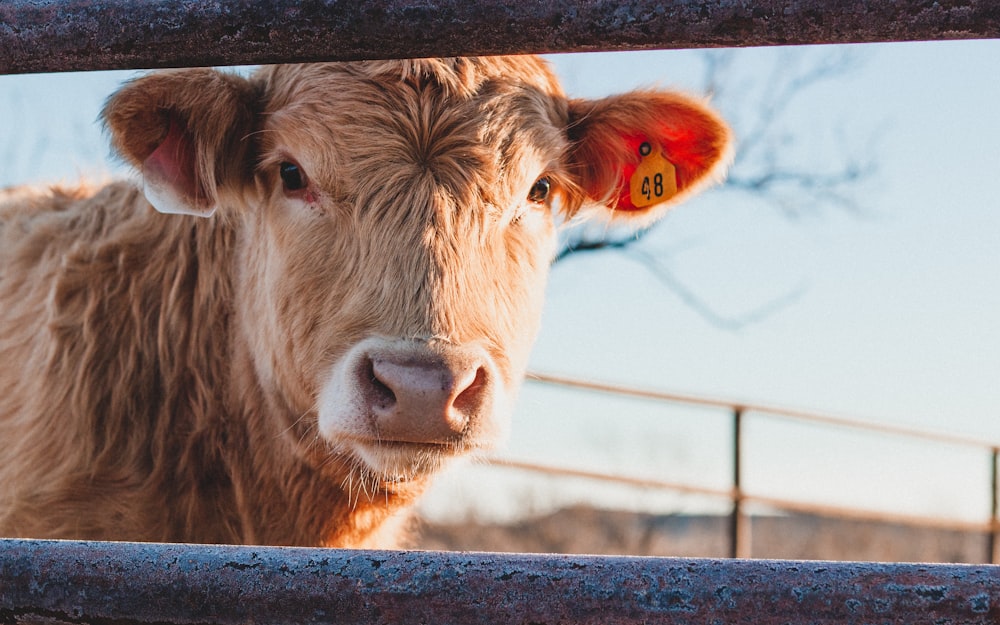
{"x":654,"y":180}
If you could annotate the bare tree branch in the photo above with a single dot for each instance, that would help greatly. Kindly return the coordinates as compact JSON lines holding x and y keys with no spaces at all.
{"x":663,"y":273}
{"x":763,"y":170}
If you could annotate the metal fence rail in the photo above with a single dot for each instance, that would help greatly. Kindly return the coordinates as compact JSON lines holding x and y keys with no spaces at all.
{"x":62,"y":35}
{"x":738,"y":528}
{"x":78,"y":582}
{"x":121,"y":583}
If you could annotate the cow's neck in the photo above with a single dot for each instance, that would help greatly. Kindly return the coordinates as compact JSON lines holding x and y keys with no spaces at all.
{"x":234,"y":473}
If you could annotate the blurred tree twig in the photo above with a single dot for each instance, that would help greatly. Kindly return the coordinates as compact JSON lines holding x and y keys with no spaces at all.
{"x":768,"y":167}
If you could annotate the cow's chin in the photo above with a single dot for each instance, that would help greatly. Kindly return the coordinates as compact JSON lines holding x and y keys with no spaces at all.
{"x":391,"y":462}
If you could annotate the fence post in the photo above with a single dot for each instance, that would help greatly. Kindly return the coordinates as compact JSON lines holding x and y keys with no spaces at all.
{"x":992,"y":542}
{"x":739,"y":525}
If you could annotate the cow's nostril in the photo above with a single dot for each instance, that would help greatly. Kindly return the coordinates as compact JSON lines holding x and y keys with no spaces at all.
{"x":381,"y":395}
{"x":470,"y":399}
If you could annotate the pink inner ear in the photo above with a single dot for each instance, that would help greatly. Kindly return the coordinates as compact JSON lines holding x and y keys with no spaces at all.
{"x":172,"y":164}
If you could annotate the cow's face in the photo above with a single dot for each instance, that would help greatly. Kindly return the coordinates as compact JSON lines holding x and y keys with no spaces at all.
{"x":407,"y":232}
{"x":395,"y":229}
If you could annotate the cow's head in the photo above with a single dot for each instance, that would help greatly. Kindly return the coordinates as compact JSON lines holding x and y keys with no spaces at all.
{"x":396,"y":226}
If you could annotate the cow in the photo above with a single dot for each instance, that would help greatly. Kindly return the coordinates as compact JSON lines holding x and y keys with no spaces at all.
{"x":335,"y":295}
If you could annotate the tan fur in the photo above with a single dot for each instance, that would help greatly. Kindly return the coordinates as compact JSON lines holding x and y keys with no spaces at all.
{"x":161,"y":376}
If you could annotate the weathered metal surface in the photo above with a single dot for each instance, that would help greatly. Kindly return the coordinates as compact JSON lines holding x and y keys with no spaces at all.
{"x":60,"y":35}
{"x":123,"y":583}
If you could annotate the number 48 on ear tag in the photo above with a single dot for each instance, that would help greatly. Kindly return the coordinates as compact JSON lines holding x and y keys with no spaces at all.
{"x":654,"y":180}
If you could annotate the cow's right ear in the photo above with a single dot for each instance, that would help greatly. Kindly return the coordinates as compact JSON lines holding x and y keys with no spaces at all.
{"x":188,"y":132}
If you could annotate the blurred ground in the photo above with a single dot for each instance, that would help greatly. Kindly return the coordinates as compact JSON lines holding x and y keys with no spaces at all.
{"x":797,"y":537}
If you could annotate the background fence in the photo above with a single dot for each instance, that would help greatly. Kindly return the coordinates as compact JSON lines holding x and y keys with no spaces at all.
{"x":68,"y":582}
{"x":740,"y":412}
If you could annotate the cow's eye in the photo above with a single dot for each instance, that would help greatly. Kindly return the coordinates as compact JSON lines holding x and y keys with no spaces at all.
{"x":292,"y":176}
{"x":540,"y":190}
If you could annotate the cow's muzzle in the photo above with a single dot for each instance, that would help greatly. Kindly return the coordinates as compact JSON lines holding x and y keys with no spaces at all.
{"x":402,"y":406}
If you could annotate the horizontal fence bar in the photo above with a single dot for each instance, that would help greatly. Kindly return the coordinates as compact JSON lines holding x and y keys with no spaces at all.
{"x":861,"y":514}
{"x":124,"y":583}
{"x":63,"y":35}
{"x":598,"y":476}
{"x":772,"y":411}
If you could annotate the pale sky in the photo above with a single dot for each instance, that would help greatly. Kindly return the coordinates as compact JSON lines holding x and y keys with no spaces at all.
{"x":894,"y":319}
{"x":892,"y":315}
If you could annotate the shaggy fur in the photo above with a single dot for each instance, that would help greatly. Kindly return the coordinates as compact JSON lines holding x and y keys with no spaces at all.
{"x":175,"y":378}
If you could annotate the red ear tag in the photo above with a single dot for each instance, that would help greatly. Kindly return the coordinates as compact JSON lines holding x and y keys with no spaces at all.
{"x":654,"y":180}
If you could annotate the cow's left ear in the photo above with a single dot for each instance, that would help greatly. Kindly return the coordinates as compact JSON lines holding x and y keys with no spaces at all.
{"x":642,"y":152}
{"x":188,"y":132}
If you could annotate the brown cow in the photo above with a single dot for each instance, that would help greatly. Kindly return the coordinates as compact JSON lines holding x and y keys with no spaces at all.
{"x":359,"y":308}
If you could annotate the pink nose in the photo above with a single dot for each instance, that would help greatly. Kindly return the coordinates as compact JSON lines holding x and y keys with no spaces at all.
{"x":424,"y":400}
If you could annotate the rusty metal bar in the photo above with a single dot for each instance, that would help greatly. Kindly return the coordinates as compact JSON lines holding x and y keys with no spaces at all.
{"x":123,"y":583}
{"x":62,"y":35}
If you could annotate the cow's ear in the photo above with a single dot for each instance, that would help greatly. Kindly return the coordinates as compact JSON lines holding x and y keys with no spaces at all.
{"x":642,"y":152}
{"x":188,"y":132}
